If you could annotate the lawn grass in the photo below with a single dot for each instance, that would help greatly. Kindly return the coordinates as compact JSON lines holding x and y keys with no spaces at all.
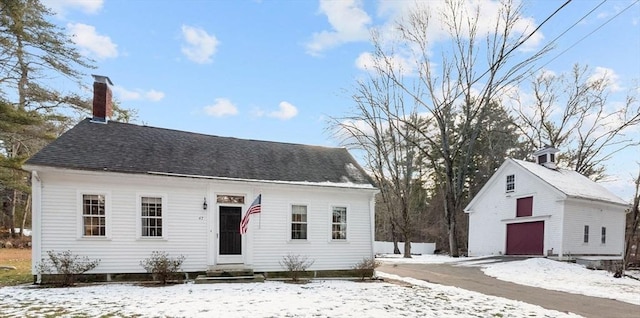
{"x":20,"y":258}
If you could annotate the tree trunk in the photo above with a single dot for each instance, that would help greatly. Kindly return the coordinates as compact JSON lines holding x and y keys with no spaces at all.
{"x":25,"y":215}
{"x":407,"y":247}
{"x":12,"y":212}
{"x":452,"y":228}
{"x":394,"y":236}
{"x":453,"y":239}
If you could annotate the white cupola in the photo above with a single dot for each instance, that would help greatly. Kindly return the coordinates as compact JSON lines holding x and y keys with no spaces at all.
{"x":546,"y":156}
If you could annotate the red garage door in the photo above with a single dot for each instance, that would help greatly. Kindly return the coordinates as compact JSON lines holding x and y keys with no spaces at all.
{"x":525,"y":238}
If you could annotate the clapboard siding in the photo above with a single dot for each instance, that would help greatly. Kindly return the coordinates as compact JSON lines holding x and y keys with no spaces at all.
{"x":596,"y":216}
{"x":123,"y":250}
{"x":564,"y":216}
{"x":491,"y":213}
{"x":270,"y":231}
{"x":190,"y":231}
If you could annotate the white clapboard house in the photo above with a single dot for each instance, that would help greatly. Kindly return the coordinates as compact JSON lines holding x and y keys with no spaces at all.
{"x":529,"y":208}
{"x":116,"y":192}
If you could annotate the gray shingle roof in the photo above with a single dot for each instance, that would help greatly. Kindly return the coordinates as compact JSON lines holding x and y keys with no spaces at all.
{"x":129,"y":148}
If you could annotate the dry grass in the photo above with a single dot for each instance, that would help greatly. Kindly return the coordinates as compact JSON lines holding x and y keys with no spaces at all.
{"x":20,"y":258}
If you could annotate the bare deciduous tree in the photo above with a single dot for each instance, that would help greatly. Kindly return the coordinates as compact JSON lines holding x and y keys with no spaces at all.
{"x":573,"y":112}
{"x":389,"y":157}
{"x":452,"y":90}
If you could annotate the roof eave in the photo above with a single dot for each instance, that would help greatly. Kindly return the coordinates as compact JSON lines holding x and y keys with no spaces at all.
{"x":582,"y":198}
{"x":369,"y":187}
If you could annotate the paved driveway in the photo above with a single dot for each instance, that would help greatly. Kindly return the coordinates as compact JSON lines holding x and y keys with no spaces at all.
{"x":472,"y":278}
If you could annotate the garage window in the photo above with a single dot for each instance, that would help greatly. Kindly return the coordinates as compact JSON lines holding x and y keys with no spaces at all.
{"x":524,"y":207}
{"x":586,"y":234}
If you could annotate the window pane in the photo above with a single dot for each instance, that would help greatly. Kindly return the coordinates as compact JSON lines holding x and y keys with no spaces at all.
{"x":93,"y":211}
{"x":299,"y":222}
{"x":511,"y":183}
{"x":299,"y":231}
{"x":586,"y":234}
{"x":339,"y":223}
{"x":151,"y":210}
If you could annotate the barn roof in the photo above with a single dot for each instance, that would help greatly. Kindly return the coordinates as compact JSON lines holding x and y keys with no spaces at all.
{"x":129,"y":148}
{"x":571,"y":183}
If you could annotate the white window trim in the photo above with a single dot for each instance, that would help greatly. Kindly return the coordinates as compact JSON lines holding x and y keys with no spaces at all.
{"x":165,"y":210}
{"x":290,"y":222}
{"x":506,"y":183}
{"x":331,"y":239}
{"x":107,"y":212}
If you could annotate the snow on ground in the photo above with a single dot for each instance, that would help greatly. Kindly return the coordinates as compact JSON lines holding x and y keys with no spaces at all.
{"x":566,"y":277}
{"x":542,"y":273}
{"x":268,"y":299}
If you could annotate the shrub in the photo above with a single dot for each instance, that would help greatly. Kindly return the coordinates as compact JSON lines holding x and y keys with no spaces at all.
{"x":66,"y":264}
{"x":162,"y":267}
{"x":295,"y":265}
{"x":365,"y":268}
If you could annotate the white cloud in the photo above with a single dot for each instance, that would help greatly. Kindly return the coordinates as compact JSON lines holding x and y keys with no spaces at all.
{"x":608,"y":76}
{"x":138,"y":94}
{"x":348,"y":21}
{"x":222,"y":107}
{"x":286,"y":111}
{"x":200,"y":46}
{"x":63,"y":6}
{"x":90,"y":42}
{"x":154,"y":95}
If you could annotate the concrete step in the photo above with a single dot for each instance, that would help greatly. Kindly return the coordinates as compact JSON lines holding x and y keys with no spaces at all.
{"x":229,"y":272}
{"x":253,"y":278}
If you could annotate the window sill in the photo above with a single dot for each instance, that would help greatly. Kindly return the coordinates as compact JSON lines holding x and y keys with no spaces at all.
{"x":338,"y":241}
{"x":94,"y":238}
{"x":144,"y":238}
{"x":299,"y":241}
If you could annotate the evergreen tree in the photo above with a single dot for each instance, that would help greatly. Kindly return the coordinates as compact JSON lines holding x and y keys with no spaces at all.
{"x":32,"y":52}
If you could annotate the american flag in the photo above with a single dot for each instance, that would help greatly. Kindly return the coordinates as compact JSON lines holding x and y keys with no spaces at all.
{"x":255,"y":207}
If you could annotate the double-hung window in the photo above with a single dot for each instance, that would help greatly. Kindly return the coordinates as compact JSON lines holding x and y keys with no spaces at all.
{"x":586,"y":234}
{"x":511,"y":183}
{"x":339,"y":223}
{"x":603,"y":237}
{"x":94,"y":216}
{"x":298,"y":222}
{"x":151,"y":216}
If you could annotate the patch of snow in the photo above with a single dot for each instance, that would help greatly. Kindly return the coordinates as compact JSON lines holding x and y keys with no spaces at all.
{"x":566,"y":277}
{"x":268,"y":299}
{"x":27,"y":232}
{"x":542,"y":273}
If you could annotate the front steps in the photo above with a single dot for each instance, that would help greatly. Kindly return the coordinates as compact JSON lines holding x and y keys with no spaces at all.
{"x":235,"y":273}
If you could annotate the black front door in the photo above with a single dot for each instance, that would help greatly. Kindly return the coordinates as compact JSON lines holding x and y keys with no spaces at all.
{"x":230,"y":238}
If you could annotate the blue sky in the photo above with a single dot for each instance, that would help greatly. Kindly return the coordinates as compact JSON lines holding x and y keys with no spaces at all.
{"x":276,"y":70}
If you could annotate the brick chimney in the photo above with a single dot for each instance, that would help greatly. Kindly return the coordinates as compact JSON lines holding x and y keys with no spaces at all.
{"x":546,"y":157}
{"x":102,"y":105}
